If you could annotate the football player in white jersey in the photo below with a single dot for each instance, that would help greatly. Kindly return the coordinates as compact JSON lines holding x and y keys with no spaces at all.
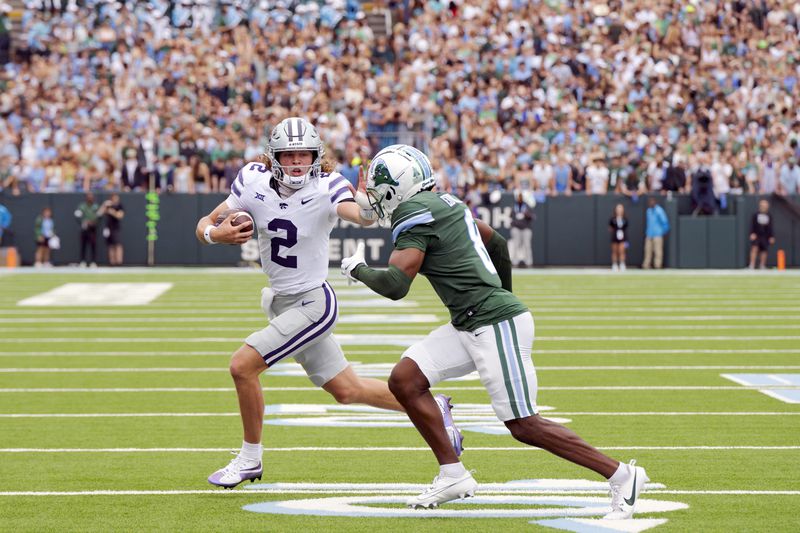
{"x":295,"y":200}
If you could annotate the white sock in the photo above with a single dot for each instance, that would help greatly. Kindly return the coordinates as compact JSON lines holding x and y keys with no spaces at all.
{"x":251,"y":451}
{"x":620,"y":475}
{"x":452,"y":470}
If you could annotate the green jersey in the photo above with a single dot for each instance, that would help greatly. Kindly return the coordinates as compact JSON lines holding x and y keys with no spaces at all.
{"x":456,"y":262}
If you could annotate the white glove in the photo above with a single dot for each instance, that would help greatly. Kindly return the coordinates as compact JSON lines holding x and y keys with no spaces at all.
{"x":267,"y":295}
{"x":350,"y":263}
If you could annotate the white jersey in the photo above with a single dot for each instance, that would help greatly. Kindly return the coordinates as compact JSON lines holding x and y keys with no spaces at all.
{"x":293,"y":232}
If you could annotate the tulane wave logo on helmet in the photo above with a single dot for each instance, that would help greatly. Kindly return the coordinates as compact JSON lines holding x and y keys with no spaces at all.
{"x":381,"y":174}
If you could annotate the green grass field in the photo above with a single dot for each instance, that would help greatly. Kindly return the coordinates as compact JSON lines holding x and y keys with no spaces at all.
{"x":112,"y":417}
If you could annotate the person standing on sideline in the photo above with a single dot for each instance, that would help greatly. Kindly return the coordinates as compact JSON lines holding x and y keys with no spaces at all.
{"x":618,"y":228}
{"x":490,"y":329}
{"x":5,"y":222}
{"x":521,"y":233}
{"x":113,"y":212}
{"x":86,"y":213}
{"x":45,"y":232}
{"x":656,"y":226}
{"x":761,"y":235}
{"x":295,"y":199}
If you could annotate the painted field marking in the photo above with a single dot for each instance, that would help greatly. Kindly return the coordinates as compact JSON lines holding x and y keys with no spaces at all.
{"x":379,"y":370}
{"x":242,"y":492}
{"x":389,"y":449}
{"x":103,"y":353}
{"x":463,"y":389}
{"x":98,"y":294}
{"x":404,"y":320}
{"x":579,"y":313}
{"x":783,"y":387}
{"x":393,"y":340}
{"x":569,"y":500}
{"x":575,"y":413}
{"x":345,"y":318}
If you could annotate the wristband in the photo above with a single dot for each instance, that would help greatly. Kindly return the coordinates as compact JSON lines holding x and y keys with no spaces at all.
{"x":207,"y":234}
{"x":368,"y":214}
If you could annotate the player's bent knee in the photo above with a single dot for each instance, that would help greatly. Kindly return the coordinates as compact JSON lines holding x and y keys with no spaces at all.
{"x":346,"y":396}
{"x":525,"y":430}
{"x":407,"y":381}
{"x":246,"y":363}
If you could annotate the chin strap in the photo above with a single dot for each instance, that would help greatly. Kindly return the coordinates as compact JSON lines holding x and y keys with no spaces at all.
{"x":284,"y":190}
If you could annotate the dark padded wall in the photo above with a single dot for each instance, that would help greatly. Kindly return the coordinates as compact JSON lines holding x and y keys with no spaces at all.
{"x":567,"y":231}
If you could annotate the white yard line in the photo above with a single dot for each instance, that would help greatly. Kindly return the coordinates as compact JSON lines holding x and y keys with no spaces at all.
{"x":388,"y":366}
{"x":409,"y":324}
{"x":391,"y":339}
{"x":397,"y":352}
{"x":554,"y":413}
{"x":476,"y":388}
{"x":434,"y":306}
{"x":386,"y":449}
{"x":370,"y":491}
{"x":101,"y":317}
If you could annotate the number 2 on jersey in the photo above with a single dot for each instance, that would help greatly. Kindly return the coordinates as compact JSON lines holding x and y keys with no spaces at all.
{"x":278,"y":224}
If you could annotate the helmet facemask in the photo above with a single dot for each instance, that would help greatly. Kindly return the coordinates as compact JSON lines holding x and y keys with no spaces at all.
{"x":286,"y":177}
{"x":397,"y":173}
{"x":295,"y":135}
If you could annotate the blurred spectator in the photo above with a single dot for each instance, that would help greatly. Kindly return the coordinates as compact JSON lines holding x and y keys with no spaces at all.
{"x":562,"y":176}
{"x":5,"y":224}
{"x":597,"y":176}
{"x":5,"y":36}
{"x":87,"y":215}
{"x":761,"y":235}
{"x":132,"y":175}
{"x":674,"y":176}
{"x":520,"y":243}
{"x":656,"y":226}
{"x":703,"y":200}
{"x":46,"y":239}
{"x":618,"y":228}
{"x":543,"y":177}
{"x":768,"y":183}
{"x":633,"y":180}
{"x":789,"y":179}
{"x":113,"y":212}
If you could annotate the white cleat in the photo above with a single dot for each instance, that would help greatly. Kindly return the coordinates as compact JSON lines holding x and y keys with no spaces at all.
{"x":625,"y":495}
{"x":444,"y":489}
{"x":237,"y":471}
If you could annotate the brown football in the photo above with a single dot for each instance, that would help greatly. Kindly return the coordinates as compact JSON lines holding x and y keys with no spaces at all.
{"x":239,"y":218}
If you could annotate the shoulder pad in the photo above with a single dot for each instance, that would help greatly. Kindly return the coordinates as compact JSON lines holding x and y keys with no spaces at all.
{"x":253,"y":172}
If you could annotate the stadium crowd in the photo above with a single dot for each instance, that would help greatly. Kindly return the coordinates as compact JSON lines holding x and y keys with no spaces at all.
{"x":551,"y":96}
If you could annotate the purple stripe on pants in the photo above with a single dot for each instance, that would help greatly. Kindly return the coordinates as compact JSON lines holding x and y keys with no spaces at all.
{"x":310,"y":333}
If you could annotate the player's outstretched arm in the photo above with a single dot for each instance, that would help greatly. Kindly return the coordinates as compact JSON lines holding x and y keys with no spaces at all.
{"x":207,"y":232}
{"x":392,"y":282}
{"x":498,"y":252}
{"x":352,"y":212}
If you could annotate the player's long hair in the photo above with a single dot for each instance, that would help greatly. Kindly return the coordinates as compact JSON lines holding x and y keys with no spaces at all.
{"x":327,"y":165}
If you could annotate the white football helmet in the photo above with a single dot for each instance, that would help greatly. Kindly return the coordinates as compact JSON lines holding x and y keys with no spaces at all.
{"x":395,"y":174}
{"x":295,"y":134}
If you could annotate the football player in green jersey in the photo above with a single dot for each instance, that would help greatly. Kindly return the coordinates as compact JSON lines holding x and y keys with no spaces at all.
{"x":490,"y":331}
